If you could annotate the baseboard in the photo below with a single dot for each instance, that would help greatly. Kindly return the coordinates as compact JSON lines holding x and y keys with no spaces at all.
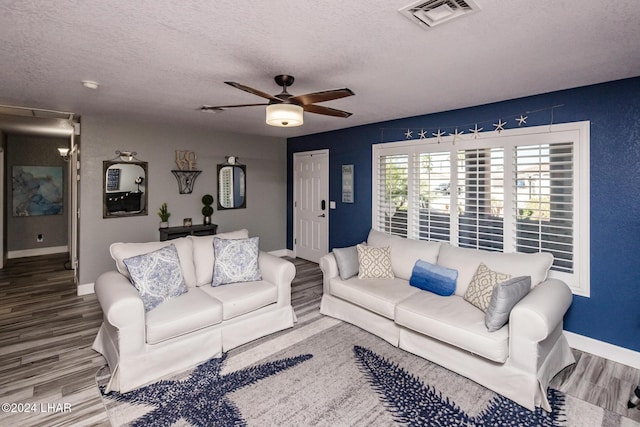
{"x":603,"y":349}
{"x":85,"y":289}
{"x":282,"y":253}
{"x":37,"y":252}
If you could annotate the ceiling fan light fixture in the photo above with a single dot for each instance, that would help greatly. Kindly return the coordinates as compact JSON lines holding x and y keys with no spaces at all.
{"x":285,"y":115}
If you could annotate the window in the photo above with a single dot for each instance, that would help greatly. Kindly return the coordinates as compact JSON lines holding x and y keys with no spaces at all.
{"x":523,"y":190}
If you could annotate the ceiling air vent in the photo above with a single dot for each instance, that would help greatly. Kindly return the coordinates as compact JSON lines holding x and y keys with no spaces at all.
{"x":430,"y":13}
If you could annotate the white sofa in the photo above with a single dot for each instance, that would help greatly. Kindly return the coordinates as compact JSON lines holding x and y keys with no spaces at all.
{"x":516,"y":361}
{"x":194,"y":327}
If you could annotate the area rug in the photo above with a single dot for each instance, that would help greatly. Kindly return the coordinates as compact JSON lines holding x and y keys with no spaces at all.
{"x":328,"y":373}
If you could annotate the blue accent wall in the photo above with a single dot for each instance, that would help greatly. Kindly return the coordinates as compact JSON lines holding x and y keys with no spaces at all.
{"x":612,"y":312}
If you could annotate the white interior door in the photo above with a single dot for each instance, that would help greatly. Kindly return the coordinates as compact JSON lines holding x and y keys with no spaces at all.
{"x":311,"y":204}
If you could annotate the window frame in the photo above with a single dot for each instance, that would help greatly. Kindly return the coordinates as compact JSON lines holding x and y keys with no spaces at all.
{"x":577,"y":133}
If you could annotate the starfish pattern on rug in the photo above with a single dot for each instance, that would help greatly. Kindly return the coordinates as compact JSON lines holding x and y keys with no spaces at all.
{"x":415,"y":404}
{"x":201,"y":399}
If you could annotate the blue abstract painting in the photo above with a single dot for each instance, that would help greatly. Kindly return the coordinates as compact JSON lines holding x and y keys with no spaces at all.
{"x":37,"y":190}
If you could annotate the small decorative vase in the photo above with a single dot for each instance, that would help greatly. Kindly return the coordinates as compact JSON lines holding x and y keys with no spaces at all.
{"x":207,"y":220}
{"x":164,"y":224}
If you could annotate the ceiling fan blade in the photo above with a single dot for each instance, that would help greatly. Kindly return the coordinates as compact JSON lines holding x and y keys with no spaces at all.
{"x":327,"y":95}
{"x":318,"y":109}
{"x":253,"y":91}
{"x":224,"y":107}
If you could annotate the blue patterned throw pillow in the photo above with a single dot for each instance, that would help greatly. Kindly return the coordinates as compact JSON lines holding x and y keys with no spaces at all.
{"x":236,"y":261}
{"x":434,"y":278}
{"x":157,"y":276}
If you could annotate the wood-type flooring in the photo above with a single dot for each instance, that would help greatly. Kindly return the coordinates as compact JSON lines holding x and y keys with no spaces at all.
{"x":47,"y":366}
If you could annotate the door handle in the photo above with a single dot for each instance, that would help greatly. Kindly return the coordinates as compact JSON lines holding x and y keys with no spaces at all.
{"x":321,"y":216}
{"x":323,"y":205}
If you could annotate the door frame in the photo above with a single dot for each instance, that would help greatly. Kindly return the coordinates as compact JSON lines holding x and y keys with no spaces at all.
{"x":49,"y":127}
{"x":297,"y":155}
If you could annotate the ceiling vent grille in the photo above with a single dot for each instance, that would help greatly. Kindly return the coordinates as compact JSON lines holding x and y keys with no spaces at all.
{"x":431,"y":13}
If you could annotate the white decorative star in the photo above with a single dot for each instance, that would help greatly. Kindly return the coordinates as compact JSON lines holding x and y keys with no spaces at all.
{"x":499,"y":126}
{"x":423,"y":134}
{"x":408,"y":134}
{"x":456,"y":134}
{"x":439,"y":135}
{"x":476,"y":131}
{"x":522,"y":120}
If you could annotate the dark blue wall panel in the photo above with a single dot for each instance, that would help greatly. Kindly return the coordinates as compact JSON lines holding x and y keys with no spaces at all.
{"x":612,"y":313}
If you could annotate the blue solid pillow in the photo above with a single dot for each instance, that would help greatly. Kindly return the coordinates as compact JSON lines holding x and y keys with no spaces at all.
{"x":434,"y":278}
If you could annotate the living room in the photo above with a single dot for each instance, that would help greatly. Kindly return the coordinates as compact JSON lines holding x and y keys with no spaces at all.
{"x":489,"y":88}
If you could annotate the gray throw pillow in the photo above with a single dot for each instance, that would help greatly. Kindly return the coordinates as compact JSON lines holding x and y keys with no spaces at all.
{"x":347,"y":260}
{"x":157,"y":276}
{"x":504,"y":297}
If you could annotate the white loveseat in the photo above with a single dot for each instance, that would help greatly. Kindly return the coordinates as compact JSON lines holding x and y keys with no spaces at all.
{"x":141,"y":347}
{"x":516,"y":361}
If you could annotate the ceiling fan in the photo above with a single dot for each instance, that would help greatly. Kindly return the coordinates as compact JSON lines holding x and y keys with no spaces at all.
{"x":285,"y":109}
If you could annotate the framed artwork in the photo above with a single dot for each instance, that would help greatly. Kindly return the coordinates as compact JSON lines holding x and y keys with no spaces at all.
{"x":37,"y":190}
{"x":113,"y":179}
{"x":347,"y":183}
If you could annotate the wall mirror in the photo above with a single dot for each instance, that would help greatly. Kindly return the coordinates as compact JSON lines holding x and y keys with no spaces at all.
{"x":124,"y":188}
{"x":232,"y":186}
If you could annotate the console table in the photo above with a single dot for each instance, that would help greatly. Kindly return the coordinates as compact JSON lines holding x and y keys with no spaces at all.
{"x":195,"y":230}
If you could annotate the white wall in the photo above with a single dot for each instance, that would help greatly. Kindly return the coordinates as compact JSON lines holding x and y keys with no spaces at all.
{"x":265,"y":157}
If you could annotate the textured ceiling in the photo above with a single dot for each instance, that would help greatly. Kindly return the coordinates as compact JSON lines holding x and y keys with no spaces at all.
{"x":160,"y":60}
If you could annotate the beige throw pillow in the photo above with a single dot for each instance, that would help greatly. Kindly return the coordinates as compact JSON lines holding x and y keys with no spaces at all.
{"x":374,"y":262}
{"x":481,"y":286}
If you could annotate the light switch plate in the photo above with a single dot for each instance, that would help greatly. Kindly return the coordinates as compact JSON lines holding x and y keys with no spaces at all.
{"x":332,"y":204}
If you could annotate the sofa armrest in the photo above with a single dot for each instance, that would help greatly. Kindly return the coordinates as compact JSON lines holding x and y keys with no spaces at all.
{"x":280,"y":272}
{"x":329,"y":268}
{"x":539,"y":313}
{"x":123,"y":309}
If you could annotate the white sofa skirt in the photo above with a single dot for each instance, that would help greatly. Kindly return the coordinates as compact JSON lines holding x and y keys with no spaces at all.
{"x":525,"y":385}
{"x":521,"y":386}
{"x":146,"y":365}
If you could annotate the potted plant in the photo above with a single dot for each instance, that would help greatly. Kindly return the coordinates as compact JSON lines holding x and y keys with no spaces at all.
{"x":207,"y":209}
{"x":164,"y":215}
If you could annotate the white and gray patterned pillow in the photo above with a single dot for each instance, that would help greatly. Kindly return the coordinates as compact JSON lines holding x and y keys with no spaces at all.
{"x":374,"y":262}
{"x":236,"y":261}
{"x":157,"y":276}
{"x":481,"y":286}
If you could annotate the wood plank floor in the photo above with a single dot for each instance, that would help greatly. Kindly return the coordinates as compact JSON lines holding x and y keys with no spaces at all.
{"x":46,"y":332}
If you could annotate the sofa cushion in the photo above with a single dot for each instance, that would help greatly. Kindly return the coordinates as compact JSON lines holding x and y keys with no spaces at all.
{"x":405,"y":252}
{"x":157,"y":276}
{"x":120,"y":251}
{"x":481,"y":286}
{"x":243,"y":297}
{"x":504,"y":297}
{"x":236,"y":260}
{"x":374,"y":263}
{"x":378,"y":296}
{"x":466,"y":261}
{"x":347,"y":261}
{"x":454,"y":321}
{"x":204,"y":257}
{"x":433,"y":278}
{"x":187,"y":313}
